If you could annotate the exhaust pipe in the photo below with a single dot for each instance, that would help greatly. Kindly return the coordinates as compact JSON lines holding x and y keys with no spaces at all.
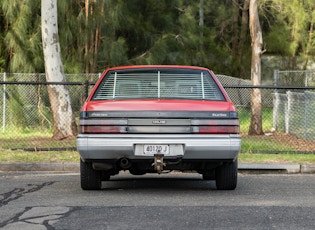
{"x":125,"y":163}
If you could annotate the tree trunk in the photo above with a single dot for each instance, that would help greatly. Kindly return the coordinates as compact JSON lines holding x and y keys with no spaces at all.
{"x":63,"y":119}
{"x":309,"y":44}
{"x":235,"y":23}
{"x":201,"y":25}
{"x":86,"y":48}
{"x":257,"y":45}
{"x":243,"y":37}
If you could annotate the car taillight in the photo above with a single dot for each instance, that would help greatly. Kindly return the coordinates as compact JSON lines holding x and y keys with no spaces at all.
{"x":102,"y":129}
{"x":216,"y":129}
{"x":213,"y":126}
{"x":100,"y":126}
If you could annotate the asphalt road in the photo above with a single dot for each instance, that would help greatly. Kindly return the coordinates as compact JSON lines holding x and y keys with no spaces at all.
{"x":170,"y":201}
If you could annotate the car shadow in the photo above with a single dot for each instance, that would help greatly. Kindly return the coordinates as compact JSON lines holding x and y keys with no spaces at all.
{"x":167,"y":182}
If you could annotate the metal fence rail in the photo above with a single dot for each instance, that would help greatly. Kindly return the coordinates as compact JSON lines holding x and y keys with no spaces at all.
{"x":26,"y":119}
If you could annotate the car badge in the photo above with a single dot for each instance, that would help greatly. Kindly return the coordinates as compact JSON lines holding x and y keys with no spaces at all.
{"x":159,"y":122}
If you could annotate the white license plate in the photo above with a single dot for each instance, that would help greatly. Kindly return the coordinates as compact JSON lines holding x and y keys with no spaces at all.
{"x":155,"y":149}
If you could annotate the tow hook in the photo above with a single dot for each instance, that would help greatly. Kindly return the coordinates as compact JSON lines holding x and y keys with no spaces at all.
{"x":158,"y":162}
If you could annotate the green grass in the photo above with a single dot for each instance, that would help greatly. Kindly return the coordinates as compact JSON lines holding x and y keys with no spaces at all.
{"x":44,"y":156}
{"x":245,"y":116}
{"x":251,"y":144}
{"x":19,"y":138}
{"x":33,"y":142}
{"x":73,"y":156}
{"x":279,"y":158}
{"x":12,"y":132}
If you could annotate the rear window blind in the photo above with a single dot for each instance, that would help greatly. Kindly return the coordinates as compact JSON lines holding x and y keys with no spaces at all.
{"x":157,"y":84}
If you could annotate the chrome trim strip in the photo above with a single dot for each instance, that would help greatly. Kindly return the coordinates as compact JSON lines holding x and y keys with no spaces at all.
{"x":159,"y":129}
{"x":158,"y":122}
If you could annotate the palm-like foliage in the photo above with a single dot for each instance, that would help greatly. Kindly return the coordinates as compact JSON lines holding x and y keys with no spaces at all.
{"x":95,"y":34}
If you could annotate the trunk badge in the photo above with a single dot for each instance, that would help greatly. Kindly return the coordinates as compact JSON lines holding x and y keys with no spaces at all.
{"x":159,"y":122}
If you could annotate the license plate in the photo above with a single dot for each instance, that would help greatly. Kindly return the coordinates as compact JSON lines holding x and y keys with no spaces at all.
{"x":155,"y":149}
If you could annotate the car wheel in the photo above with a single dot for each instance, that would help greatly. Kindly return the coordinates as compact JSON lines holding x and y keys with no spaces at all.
{"x":105,"y":176}
{"x":226,"y":176}
{"x":90,"y":178}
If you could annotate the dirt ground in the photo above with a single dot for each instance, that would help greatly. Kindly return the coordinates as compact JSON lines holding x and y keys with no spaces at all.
{"x":290,"y":141}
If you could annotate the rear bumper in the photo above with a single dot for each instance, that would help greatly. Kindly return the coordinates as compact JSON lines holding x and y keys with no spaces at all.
{"x":195,"y":147}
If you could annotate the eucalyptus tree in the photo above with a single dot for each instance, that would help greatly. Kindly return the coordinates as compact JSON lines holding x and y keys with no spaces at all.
{"x":2,"y":32}
{"x":257,"y":50}
{"x":240,"y":49}
{"x":63,"y":119}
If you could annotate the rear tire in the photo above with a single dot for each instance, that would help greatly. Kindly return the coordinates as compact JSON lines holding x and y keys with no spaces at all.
{"x":226,"y":176}
{"x":90,"y":178}
{"x":105,"y":176}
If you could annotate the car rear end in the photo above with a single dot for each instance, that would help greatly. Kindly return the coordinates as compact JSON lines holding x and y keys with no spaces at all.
{"x":157,"y":118}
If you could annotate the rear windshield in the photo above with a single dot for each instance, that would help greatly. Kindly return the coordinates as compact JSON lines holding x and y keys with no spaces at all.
{"x":168,"y":84}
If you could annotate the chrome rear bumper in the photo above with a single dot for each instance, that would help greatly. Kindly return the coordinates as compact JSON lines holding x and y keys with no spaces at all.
{"x":195,"y":147}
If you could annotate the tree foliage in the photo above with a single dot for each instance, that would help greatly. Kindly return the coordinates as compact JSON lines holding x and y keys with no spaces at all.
{"x":290,"y":32}
{"x":22,"y":35}
{"x":96,"y":34}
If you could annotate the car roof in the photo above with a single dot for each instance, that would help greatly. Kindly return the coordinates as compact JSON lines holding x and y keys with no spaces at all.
{"x":158,"y":67}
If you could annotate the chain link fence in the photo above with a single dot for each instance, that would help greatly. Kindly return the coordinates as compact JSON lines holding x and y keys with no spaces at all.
{"x":25,"y":111}
{"x":294,"y":78}
{"x":294,"y":113}
{"x":26,"y":118}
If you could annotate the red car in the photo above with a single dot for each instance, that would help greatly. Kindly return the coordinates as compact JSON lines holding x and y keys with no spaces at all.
{"x":154,"y":119}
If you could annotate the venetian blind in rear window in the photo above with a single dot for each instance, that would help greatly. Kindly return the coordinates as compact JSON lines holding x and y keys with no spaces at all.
{"x":158,"y":84}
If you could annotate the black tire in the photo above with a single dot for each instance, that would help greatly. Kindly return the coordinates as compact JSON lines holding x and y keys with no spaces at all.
{"x":105,"y":176}
{"x":226,"y":176}
{"x":90,"y":178}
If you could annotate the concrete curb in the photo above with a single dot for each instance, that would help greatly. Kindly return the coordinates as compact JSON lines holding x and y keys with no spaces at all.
{"x":277,"y":167}
{"x":243,"y":167}
{"x":308,"y":168}
{"x":267,"y":167}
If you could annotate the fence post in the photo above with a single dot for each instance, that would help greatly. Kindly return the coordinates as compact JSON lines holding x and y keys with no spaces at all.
{"x":288,"y":112}
{"x":276,"y":103}
{"x":4,"y":103}
{"x":306,"y":107}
